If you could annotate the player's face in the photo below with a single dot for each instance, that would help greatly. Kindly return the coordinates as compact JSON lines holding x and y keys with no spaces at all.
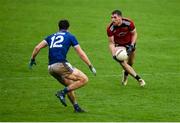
{"x":116,"y":20}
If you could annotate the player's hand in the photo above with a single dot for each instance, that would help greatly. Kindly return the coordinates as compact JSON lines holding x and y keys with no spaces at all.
{"x":129,"y":49}
{"x":31,"y":63}
{"x":92,"y":69}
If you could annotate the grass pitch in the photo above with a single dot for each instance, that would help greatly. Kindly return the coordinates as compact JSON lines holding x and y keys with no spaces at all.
{"x":28,"y":95}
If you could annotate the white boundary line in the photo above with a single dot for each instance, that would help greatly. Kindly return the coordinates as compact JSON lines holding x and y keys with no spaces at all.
{"x":98,"y":76}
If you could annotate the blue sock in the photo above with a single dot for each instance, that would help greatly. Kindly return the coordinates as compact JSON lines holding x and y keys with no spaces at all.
{"x":76,"y":106}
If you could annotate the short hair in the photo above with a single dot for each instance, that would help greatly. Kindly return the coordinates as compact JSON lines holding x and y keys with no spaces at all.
{"x":118,"y":12}
{"x":63,"y":24}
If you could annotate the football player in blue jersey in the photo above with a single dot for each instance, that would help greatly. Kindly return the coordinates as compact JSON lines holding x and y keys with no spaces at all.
{"x":71,"y":77}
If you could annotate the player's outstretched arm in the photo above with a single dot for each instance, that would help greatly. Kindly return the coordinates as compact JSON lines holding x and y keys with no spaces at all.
{"x":85,"y":58}
{"x":35,"y":52}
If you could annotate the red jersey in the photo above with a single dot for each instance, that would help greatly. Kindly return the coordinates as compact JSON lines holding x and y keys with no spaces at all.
{"x":122,"y":34}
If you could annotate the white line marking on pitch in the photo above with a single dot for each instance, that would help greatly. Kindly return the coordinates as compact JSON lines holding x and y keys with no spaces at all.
{"x":98,"y":76}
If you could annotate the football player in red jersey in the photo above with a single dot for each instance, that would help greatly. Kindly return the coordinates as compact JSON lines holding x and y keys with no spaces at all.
{"x":122,"y":32}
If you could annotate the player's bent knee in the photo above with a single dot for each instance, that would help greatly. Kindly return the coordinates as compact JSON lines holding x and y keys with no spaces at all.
{"x":84,"y":80}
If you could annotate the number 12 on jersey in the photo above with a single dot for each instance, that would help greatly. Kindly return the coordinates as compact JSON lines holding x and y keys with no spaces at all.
{"x":56,"y":41}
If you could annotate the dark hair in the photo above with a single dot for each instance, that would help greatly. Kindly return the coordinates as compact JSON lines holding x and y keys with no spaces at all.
{"x":118,"y":12}
{"x":63,"y":24}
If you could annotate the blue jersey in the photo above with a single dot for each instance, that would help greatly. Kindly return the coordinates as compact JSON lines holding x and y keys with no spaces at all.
{"x":59,"y":44}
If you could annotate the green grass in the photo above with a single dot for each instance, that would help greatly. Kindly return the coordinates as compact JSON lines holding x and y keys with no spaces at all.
{"x":28,"y":95}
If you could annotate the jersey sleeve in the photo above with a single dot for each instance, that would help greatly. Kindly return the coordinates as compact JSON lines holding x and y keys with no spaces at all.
{"x":48,"y":39}
{"x":109,"y":31}
{"x":74,"y":41}
{"x":131,"y":26}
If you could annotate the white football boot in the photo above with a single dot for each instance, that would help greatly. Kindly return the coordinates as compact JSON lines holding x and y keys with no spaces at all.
{"x":141,"y":83}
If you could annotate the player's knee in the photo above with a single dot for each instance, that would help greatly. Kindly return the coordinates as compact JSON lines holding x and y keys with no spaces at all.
{"x":84,"y":80}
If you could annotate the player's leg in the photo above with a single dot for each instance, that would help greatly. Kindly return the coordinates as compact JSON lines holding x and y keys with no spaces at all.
{"x":72,"y":80}
{"x":128,"y":68}
{"x":72,"y":98}
{"x":58,"y":71}
{"x":131,"y":71}
{"x":131,"y":58}
{"x":79,"y":78}
{"x":70,"y":94}
{"x":130,"y":61}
